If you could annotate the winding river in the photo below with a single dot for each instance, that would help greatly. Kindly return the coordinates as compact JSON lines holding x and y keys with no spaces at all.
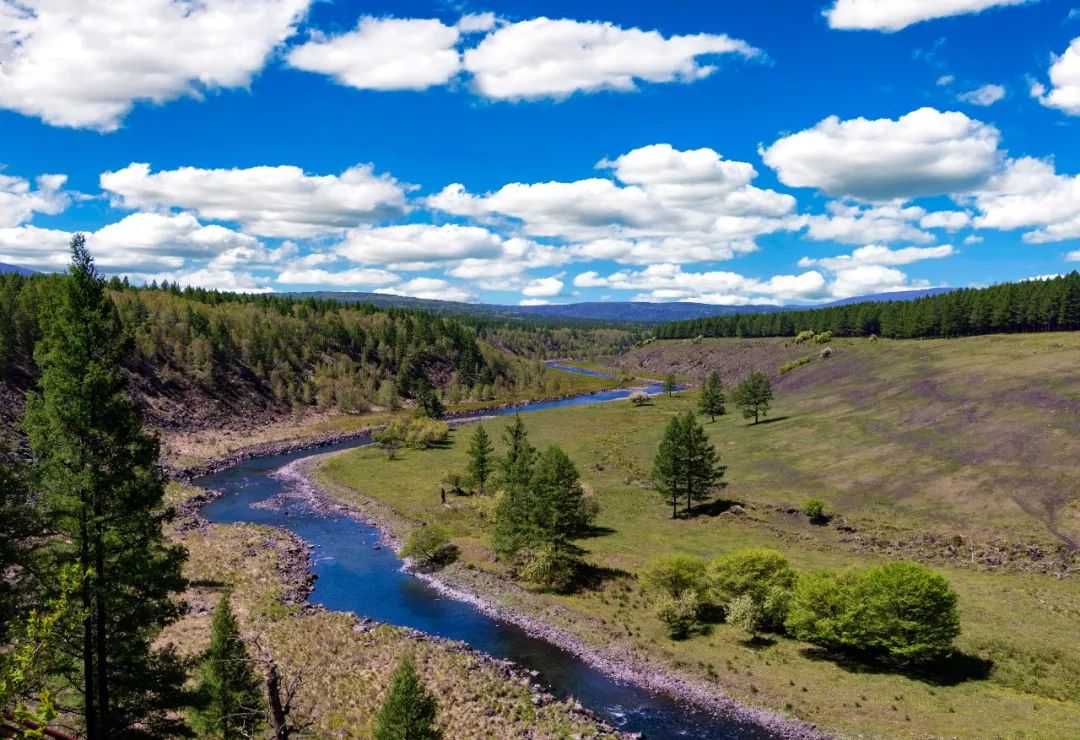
{"x":356,"y":574}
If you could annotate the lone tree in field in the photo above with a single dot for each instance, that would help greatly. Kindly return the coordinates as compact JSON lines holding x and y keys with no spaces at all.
{"x":480,"y":464}
{"x":753,"y":396}
{"x":670,"y":386}
{"x":102,"y":492}
{"x":712,"y":399}
{"x":228,"y":687}
{"x":408,"y":712}
{"x":687,"y":466}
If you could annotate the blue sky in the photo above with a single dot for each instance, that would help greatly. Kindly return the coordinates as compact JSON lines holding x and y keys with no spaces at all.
{"x":780,"y":152}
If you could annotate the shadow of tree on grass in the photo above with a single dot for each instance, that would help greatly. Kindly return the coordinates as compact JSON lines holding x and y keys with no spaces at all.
{"x":949,"y":670}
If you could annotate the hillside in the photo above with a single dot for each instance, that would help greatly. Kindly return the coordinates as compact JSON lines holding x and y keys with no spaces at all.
{"x":961,"y":454}
{"x":953,"y":435}
{"x":204,"y":360}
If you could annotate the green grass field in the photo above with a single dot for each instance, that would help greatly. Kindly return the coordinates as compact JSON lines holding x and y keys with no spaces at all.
{"x":901,"y":439}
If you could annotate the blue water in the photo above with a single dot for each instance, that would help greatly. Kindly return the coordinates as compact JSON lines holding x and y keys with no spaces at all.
{"x":355,"y":574}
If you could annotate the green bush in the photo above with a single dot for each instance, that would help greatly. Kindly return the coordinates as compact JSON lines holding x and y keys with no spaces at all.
{"x":420,"y":433}
{"x":804,"y":336}
{"x":675,"y":575}
{"x":903,"y":612}
{"x":640,"y":399}
{"x":787,"y":367}
{"x":765,"y":576}
{"x":429,"y":545}
{"x":823,"y":338}
{"x":549,"y":566}
{"x":814,"y":509}
{"x":680,"y":613}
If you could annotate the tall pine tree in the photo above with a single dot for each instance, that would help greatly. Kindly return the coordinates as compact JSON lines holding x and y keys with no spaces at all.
{"x":231,"y":700}
{"x":102,"y":493}
{"x":668,"y":465}
{"x":408,"y":712}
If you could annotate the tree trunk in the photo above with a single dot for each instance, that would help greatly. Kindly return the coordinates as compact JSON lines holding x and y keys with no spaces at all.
{"x":89,"y":698}
{"x":279,"y":720}
{"x":101,"y":625}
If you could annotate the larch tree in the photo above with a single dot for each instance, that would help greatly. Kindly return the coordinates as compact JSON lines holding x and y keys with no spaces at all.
{"x":480,"y":465}
{"x":230,"y":692}
{"x":753,"y":396}
{"x":687,"y":466}
{"x":102,"y":490}
{"x":408,"y":712}
{"x":668,"y":464}
{"x":712,"y":399}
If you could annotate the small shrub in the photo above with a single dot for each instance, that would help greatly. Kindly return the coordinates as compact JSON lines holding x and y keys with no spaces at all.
{"x":787,"y":367}
{"x":814,"y":509}
{"x":873,"y":337}
{"x":823,"y":338}
{"x":429,"y":545}
{"x":456,"y":481}
{"x":804,"y":336}
{"x":680,"y":614}
{"x":640,"y":399}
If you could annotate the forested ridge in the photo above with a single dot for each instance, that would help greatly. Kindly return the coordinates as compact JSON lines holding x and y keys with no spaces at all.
{"x":1027,"y":306}
{"x":258,"y":352}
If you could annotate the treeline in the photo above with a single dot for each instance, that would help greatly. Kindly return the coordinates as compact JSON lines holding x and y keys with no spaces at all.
{"x":302,"y":352}
{"x":1028,"y":306}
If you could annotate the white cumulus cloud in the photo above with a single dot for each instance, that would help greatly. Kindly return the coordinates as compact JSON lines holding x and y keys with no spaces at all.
{"x":1064,"y":93}
{"x":19,"y":200}
{"x":893,"y":15}
{"x":554,"y":58}
{"x":434,"y":289}
{"x":1029,"y":194}
{"x":926,"y":152}
{"x":281,"y":201}
{"x":543,"y":287}
{"x":385,"y":54}
{"x":84,"y":63}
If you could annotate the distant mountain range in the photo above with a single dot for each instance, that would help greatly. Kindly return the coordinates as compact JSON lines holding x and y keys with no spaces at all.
{"x":5,"y":267}
{"x":606,"y":311}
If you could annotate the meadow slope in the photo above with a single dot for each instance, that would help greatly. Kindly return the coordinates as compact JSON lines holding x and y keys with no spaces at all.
{"x":960,"y":453}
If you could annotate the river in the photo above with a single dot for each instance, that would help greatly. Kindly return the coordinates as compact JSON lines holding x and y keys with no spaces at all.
{"x":356,"y":574}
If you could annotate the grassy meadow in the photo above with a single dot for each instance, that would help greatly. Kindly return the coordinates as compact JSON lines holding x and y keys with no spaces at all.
{"x":961,"y":453}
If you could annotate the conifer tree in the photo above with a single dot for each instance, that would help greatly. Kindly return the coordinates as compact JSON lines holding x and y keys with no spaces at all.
{"x":516,"y":464}
{"x":668,"y":464}
{"x":228,"y":687}
{"x":102,"y":493}
{"x":712,"y":398}
{"x":480,"y":463}
{"x":408,"y":712}
{"x":702,"y":469}
{"x":670,"y":386}
{"x":686,"y":466}
{"x":753,"y":396}
{"x":558,"y":509}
